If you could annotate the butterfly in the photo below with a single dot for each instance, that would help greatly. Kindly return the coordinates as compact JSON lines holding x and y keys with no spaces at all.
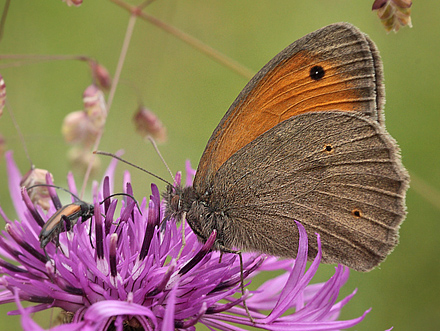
{"x":304,"y":141}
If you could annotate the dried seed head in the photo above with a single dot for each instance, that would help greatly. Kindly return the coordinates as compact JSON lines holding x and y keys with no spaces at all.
{"x":95,"y":106}
{"x":393,"y":13}
{"x":148,"y":124}
{"x":78,"y":128}
{"x":101,"y":76}
{"x":39,"y":195}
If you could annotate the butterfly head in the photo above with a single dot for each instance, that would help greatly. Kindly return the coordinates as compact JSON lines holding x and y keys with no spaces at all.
{"x":178,"y":200}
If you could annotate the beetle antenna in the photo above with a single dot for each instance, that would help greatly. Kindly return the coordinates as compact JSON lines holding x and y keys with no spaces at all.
{"x":54,"y":186}
{"x":125,"y":194}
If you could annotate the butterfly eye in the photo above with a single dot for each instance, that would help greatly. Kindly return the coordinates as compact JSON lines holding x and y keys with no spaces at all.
{"x":317,"y":72}
{"x":356,"y":213}
{"x":175,"y":203}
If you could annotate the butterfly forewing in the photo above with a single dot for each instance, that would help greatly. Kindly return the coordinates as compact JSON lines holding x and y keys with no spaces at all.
{"x":336,"y":67}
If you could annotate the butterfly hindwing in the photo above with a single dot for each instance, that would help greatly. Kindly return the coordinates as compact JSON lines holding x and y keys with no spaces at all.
{"x":337,"y":173}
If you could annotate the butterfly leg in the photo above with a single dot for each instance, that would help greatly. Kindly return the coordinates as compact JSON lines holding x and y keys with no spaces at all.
{"x":242,"y":287}
{"x":183,"y":234}
{"x":224,"y":249}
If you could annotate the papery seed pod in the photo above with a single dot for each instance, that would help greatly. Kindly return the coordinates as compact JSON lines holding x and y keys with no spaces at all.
{"x":100,"y":75}
{"x":39,"y":195}
{"x":393,"y":13}
{"x":78,"y":128}
{"x":95,"y":106}
{"x":2,"y":94}
{"x":148,"y":124}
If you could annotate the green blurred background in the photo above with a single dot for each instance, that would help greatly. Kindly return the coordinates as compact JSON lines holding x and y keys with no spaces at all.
{"x":191,"y":92}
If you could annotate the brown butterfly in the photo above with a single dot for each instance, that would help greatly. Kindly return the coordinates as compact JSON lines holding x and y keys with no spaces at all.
{"x":304,"y":141}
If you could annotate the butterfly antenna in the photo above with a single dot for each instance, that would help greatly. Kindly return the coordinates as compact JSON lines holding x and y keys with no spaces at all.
{"x":131,"y":164}
{"x":150,"y":138}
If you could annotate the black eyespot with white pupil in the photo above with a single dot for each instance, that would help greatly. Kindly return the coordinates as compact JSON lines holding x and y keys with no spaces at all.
{"x":317,"y":72}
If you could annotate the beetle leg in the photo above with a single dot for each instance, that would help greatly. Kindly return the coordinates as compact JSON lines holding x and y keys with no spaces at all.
{"x":90,"y":230}
{"x":67,"y":223}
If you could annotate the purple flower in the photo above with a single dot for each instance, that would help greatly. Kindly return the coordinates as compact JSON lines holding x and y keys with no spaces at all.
{"x":128,"y":273}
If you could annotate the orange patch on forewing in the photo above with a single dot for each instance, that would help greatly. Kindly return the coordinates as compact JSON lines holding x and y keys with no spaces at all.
{"x":286,"y":90}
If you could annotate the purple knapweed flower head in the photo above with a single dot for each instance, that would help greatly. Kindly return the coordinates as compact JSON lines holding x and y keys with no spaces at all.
{"x":130,"y":271}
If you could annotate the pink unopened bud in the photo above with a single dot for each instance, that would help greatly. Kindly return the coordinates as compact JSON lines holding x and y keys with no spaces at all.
{"x":100,"y":75}
{"x":393,"y":13}
{"x":2,"y":94}
{"x":95,"y":106}
{"x":39,"y":195}
{"x":148,"y":124}
{"x":77,"y":128}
